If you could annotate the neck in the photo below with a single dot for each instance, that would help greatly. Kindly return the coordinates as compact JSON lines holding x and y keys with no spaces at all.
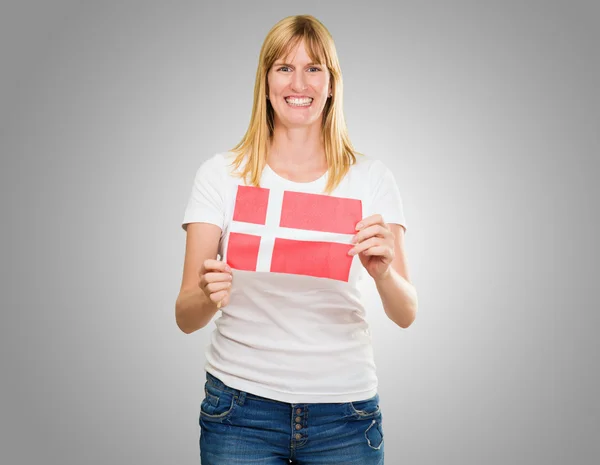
{"x":301,"y":146}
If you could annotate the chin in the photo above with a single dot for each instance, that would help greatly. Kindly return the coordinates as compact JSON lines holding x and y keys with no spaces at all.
{"x":299,"y":123}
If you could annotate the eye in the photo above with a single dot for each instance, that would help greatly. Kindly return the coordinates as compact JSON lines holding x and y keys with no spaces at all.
{"x":315,"y":67}
{"x":283,"y":67}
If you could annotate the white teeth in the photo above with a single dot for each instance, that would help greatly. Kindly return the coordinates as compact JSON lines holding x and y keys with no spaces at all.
{"x":302,"y":102}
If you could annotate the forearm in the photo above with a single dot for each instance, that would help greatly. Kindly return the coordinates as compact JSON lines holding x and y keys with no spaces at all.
{"x":399,"y":298}
{"x":193,"y":310}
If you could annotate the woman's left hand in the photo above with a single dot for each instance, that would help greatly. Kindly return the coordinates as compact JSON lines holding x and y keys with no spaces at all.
{"x":374,"y":244}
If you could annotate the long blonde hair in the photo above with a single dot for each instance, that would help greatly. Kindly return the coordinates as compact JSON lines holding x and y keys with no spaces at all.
{"x":339,"y":152}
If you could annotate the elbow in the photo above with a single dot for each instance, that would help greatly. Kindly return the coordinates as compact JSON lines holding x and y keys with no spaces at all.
{"x":411,"y":315}
{"x":184,"y":329}
{"x":406,"y":319}
{"x":183,"y":323}
{"x":406,"y":324}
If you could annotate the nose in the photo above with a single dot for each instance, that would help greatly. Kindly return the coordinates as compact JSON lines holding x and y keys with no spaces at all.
{"x":298,"y":83}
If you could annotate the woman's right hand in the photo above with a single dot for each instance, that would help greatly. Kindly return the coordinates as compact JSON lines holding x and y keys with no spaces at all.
{"x":215,"y":281}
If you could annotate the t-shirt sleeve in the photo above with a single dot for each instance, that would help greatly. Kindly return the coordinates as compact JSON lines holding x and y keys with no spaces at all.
{"x":386,"y":199}
{"x":206,"y":203}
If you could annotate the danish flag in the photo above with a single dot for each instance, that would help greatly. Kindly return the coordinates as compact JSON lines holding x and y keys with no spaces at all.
{"x":285,"y":231}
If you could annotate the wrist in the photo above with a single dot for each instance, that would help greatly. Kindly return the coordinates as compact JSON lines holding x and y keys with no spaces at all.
{"x":384,"y":277}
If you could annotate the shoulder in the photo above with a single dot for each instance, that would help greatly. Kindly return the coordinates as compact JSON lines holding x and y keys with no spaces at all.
{"x":217,"y":166}
{"x":369,"y":167}
{"x":216,"y":160}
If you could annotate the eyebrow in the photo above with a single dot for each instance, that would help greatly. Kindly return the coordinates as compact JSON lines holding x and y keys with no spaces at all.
{"x":278,"y":63}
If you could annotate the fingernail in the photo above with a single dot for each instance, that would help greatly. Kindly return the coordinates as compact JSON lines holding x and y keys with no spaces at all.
{"x":351,"y":252}
{"x":359,"y":226}
{"x":228,"y":269}
{"x":354,"y":239}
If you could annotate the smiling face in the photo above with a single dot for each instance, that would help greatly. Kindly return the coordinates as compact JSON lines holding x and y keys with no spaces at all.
{"x":298,"y":89}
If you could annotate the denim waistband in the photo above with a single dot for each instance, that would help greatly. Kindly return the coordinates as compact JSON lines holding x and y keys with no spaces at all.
{"x":216,"y":382}
{"x":241,"y":395}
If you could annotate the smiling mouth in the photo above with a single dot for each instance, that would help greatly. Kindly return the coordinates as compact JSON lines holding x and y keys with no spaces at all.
{"x":299,"y":102}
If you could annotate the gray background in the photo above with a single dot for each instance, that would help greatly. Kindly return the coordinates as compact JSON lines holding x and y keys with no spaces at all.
{"x":486,"y":112}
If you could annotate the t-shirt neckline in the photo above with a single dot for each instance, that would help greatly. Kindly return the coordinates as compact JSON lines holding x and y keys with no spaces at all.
{"x":320,"y":180}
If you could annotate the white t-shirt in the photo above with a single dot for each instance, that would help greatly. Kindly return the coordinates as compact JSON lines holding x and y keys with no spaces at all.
{"x":295,"y":328}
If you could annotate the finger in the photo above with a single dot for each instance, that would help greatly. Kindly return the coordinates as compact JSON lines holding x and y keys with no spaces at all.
{"x":378,"y":251}
{"x":217,"y":277}
{"x":215,"y":265}
{"x":218,"y":296}
{"x":214,"y":278}
{"x":371,"y":231}
{"x":223,"y":302}
{"x":364,"y":245}
{"x":220,"y":286}
{"x":368,"y":221}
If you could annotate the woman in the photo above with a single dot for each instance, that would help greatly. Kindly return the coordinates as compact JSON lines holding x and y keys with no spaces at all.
{"x":297,"y":218}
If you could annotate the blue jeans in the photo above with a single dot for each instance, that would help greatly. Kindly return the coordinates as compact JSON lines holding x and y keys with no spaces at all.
{"x":237,"y":427}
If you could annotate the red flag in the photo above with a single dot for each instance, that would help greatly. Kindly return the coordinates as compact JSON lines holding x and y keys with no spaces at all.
{"x":302,"y":211}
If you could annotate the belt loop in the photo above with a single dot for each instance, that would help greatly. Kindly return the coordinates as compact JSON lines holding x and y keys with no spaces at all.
{"x":241,"y":398}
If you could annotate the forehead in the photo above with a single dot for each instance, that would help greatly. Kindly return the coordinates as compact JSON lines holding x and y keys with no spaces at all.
{"x":300,"y":50}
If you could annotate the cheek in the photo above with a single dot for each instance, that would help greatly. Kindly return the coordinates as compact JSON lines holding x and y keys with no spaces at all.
{"x":323,"y":85}
{"x":276,"y":84}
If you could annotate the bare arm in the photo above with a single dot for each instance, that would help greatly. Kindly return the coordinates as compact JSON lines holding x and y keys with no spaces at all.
{"x":381,"y":250}
{"x":398,"y":295}
{"x":193,"y":308}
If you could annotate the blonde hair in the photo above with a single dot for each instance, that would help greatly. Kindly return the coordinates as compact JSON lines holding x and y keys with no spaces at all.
{"x":339,"y":151}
